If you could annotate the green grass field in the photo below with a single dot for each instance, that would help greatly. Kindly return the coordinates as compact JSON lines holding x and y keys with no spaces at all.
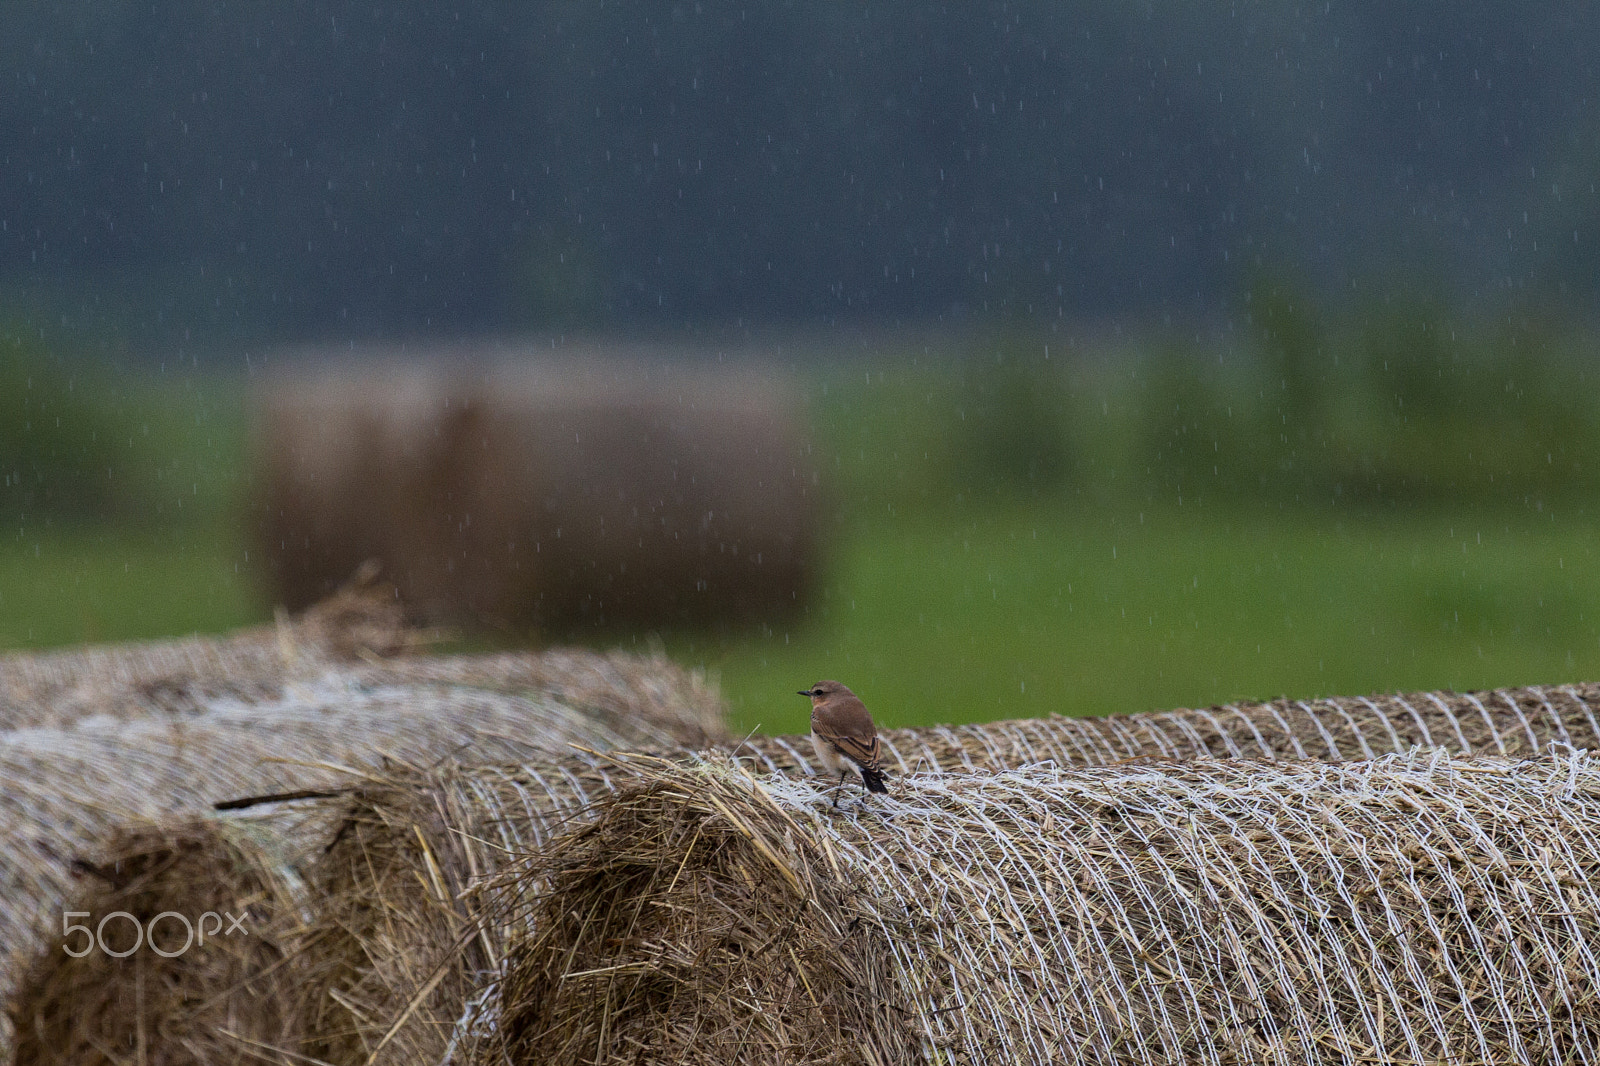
{"x":100,"y":585}
{"x":1028,"y":612}
{"x":940,"y":604}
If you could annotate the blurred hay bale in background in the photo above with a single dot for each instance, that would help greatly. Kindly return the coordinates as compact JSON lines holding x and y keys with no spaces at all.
{"x":556,"y":494}
{"x":342,"y":458}
{"x":1412,"y":908}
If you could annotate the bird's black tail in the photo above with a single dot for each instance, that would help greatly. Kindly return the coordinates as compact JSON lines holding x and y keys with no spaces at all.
{"x":873,"y":779}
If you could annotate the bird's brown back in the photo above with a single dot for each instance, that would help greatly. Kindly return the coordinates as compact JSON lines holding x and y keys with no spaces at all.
{"x":844,"y":721}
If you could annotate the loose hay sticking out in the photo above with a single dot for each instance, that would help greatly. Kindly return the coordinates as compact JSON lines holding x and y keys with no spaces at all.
{"x":152,"y":1008}
{"x":185,"y":676}
{"x":392,"y":919}
{"x":1412,"y":909}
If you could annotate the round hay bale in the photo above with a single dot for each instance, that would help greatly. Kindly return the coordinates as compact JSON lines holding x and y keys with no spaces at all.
{"x":393,"y":897}
{"x":397,"y":884}
{"x":400,"y":935}
{"x":557,"y":494}
{"x":1414,"y":908}
{"x":620,"y":493}
{"x":398,"y":948}
{"x":236,"y":888}
{"x":67,"y":789}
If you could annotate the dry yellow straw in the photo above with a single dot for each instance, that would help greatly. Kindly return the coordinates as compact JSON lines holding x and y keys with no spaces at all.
{"x":388,"y":909}
{"x":389,"y":930}
{"x":1417,"y":908}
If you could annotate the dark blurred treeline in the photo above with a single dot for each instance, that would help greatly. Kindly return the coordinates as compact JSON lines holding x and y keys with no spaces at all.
{"x":244,"y":172}
{"x":81,"y":444}
{"x":1408,"y":402}
{"x":1400,"y":404}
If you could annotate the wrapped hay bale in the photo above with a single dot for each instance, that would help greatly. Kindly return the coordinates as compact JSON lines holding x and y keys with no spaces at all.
{"x":67,"y":789}
{"x":216,"y":901}
{"x":396,"y":953}
{"x":397,"y":943}
{"x":1415,"y":908}
{"x":343,"y":929}
{"x":556,"y":494}
{"x":165,"y":677}
{"x":390,"y":933}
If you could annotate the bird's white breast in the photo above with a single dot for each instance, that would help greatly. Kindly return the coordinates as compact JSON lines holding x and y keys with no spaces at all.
{"x":828,"y":756}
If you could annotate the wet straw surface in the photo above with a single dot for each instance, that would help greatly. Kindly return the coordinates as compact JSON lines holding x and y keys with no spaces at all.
{"x":1416,"y":908}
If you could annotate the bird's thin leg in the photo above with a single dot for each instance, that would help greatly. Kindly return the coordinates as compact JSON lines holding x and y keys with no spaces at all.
{"x":836,"y":789}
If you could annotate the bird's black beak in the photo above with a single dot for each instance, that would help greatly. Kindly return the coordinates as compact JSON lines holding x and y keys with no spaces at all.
{"x":805,"y":692}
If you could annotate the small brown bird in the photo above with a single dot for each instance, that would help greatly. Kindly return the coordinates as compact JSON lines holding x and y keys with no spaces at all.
{"x":844,"y":736}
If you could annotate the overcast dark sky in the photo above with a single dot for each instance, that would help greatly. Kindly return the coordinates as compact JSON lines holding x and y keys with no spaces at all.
{"x":323,"y":169}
